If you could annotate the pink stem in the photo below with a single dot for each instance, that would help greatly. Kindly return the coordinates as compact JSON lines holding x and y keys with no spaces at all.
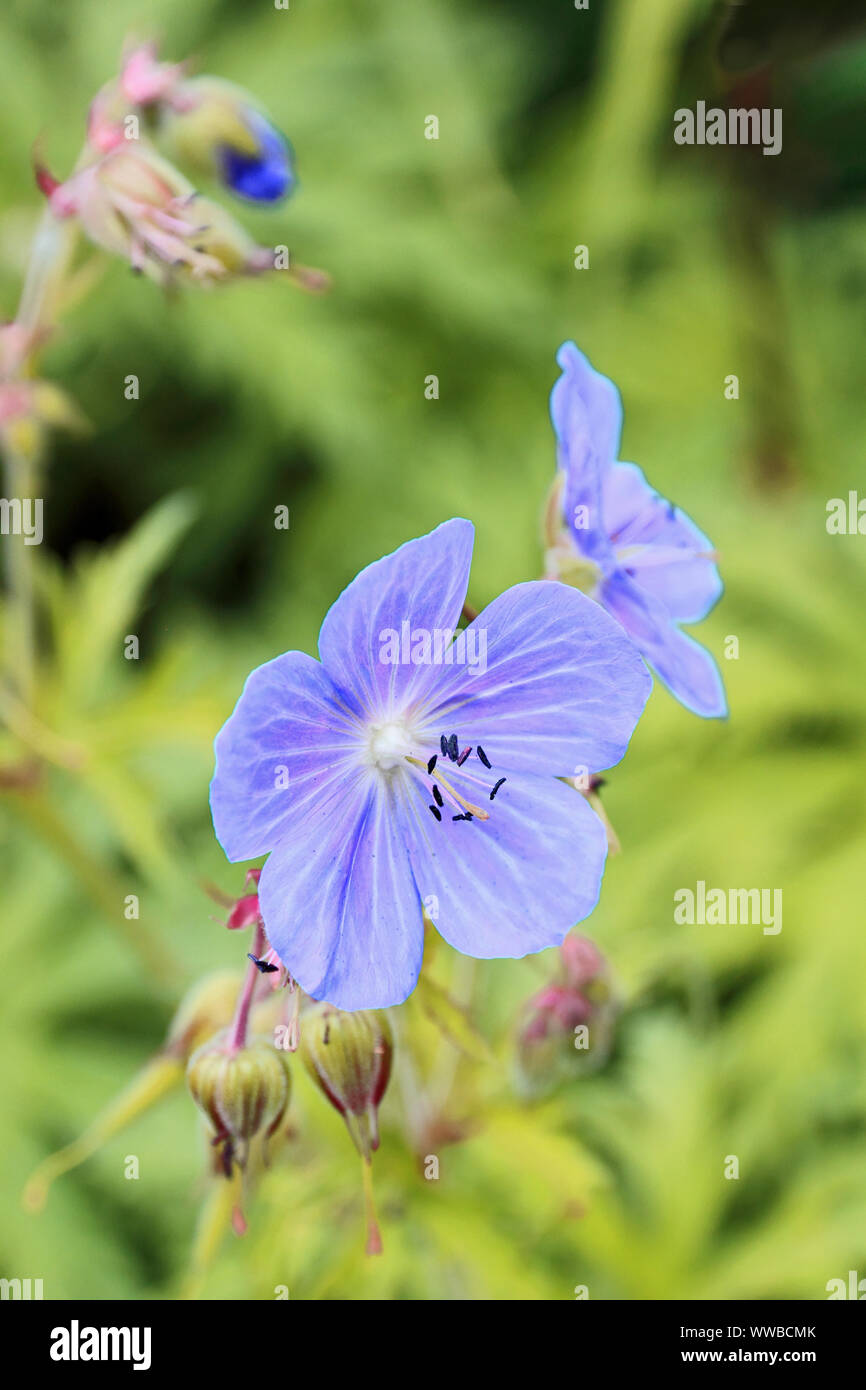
{"x":238,"y":1036}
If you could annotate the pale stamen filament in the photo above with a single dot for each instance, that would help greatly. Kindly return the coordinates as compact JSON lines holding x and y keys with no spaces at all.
{"x":453,"y":796}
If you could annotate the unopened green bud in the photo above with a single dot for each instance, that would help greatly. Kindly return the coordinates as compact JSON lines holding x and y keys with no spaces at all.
{"x":348,"y":1055}
{"x":243,"y":1092}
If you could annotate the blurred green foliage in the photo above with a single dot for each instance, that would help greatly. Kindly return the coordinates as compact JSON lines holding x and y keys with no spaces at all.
{"x":455,"y":257}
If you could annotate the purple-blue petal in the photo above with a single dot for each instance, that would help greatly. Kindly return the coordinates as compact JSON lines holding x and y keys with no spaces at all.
{"x":585,"y":402}
{"x":290,"y":740}
{"x":422,"y":584}
{"x":517,"y":882}
{"x":659,"y":545}
{"x":340,"y":903}
{"x":587,"y":418}
{"x":685,"y":667}
{"x":563,"y":689}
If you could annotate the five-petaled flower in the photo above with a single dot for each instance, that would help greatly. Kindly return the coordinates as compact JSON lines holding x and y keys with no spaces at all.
{"x":375,"y":788}
{"x":612,"y":535}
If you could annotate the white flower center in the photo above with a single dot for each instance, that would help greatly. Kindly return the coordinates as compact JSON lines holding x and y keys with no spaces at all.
{"x":388,"y":744}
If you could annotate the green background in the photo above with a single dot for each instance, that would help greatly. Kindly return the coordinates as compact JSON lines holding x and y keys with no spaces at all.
{"x":455,"y":258}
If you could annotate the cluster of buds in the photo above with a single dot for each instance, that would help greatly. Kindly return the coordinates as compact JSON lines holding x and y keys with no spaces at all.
{"x":567,"y":1026}
{"x":132,"y":202}
{"x":243,"y":1083}
{"x":241,"y":1087}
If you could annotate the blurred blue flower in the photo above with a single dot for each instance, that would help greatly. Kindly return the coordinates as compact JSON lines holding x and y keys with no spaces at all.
{"x":265,"y":176}
{"x":389,"y":776}
{"x":638,"y":555}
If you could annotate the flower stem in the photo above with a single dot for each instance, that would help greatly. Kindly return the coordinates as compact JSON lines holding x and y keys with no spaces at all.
{"x":374,"y":1235}
{"x":40,"y":305}
{"x":20,"y":654}
{"x":240,"y":1025}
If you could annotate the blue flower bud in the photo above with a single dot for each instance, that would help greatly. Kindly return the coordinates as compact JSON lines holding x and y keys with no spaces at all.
{"x":264,"y":177}
{"x":214,"y":125}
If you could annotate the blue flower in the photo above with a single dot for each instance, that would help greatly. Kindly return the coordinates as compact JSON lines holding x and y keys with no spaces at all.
{"x":395,"y":775}
{"x":638,"y":555}
{"x":265,"y":176}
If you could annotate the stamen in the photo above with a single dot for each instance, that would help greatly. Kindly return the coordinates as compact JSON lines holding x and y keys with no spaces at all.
{"x":263,"y":966}
{"x":463,"y":756}
{"x":443,"y":745}
{"x":453,"y":748}
{"x":449,"y":790}
{"x":437,"y":796}
{"x":483,"y":756}
{"x":467,"y":816}
{"x":437,"y":813}
{"x":496,"y":788}
{"x":431,"y":765}
{"x":461,"y":800}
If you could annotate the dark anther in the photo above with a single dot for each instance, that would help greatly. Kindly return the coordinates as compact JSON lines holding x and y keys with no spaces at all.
{"x":431,"y":764}
{"x":466,"y":816}
{"x":483,"y":756}
{"x":496,"y":788}
{"x":437,"y":797}
{"x":437,"y":813}
{"x":453,"y":748}
{"x":463,"y":756}
{"x":262,"y":965}
{"x":443,"y":745}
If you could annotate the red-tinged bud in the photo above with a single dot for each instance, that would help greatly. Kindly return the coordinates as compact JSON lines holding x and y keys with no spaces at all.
{"x":243,"y":1092}
{"x":581,"y":960}
{"x":348,"y":1055}
{"x":567,"y":1026}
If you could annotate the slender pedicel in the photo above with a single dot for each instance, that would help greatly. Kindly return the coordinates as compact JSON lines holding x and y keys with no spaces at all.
{"x":483,"y":756}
